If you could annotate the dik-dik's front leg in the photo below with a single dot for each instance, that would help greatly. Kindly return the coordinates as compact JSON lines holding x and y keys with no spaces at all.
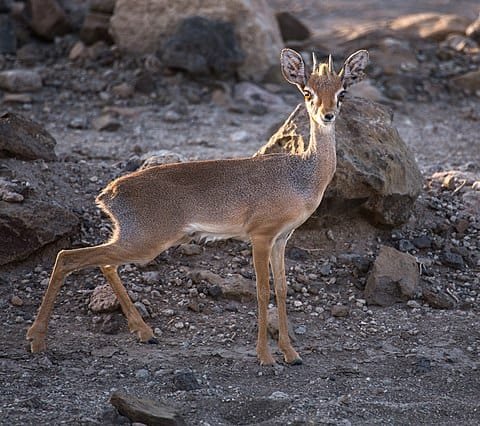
{"x":261,"y":253}
{"x":277,"y":260}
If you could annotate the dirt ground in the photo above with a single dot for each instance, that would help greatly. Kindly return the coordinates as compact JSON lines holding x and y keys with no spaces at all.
{"x":403,"y":365}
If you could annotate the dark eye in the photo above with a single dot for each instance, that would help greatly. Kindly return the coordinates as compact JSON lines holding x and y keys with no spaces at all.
{"x":341,"y":95}
{"x":308,"y":95}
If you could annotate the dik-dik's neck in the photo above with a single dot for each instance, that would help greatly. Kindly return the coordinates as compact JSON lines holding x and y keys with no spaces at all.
{"x":321,"y":148}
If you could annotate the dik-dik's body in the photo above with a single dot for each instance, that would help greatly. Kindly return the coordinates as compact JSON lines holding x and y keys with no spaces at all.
{"x":262,"y":199}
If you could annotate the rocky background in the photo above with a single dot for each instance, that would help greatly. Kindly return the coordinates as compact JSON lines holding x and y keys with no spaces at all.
{"x":383,"y":279}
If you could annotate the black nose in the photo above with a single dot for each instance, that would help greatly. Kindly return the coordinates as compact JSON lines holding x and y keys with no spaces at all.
{"x":329,"y":117}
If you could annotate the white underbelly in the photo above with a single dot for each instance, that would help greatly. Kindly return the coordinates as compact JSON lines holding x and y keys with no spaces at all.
{"x":206,"y":232}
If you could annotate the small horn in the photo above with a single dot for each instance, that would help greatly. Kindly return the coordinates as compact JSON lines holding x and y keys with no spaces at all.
{"x":330,"y":64}
{"x":314,"y":59}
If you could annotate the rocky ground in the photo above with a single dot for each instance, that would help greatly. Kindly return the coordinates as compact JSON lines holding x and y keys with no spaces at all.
{"x":415,"y":362}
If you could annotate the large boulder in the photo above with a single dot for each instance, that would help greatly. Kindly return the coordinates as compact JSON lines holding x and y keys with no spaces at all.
{"x":27,"y":226}
{"x":24,"y":139}
{"x":376,"y":171}
{"x":143,"y":27}
{"x":203,"y":46}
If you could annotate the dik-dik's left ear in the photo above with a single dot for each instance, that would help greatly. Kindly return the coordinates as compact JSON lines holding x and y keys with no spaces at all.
{"x":353,"y":69}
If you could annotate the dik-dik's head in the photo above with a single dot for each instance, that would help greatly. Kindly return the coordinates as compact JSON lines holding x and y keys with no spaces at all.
{"x":323,"y":89}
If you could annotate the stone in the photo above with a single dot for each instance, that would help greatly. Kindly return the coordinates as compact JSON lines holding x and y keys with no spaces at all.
{"x":78,"y":51}
{"x":376,"y":172}
{"x":190,"y":249}
{"x":162,"y":156}
{"x":24,"y":230}
{"x":142,"y":374}
{"x":17,"y":98}
{"x":393,"y":56}
{"x":24,"y":139}
{"x":291,"y":28}
{"x":236,"y":287}
{"x":102,"y":6}
{"x":430,"y":25}
{"x":47,"y":18}
{"x":103,"y":300}
{"x":473,"y":30}
{"x":452,"y":260}
{"x":123,"y":90}
{"x":185,"y":380}
{"x":438,"y":300}
{"x":202,"y":46}
{"x":279,"y":396}
{"x":95,"y":28}
{"x":20,"y":80}
{"x":106,"y":123}
{"x":16,"y":301}
{"x":339,"y":311}
{"x":8,"y":39}
{"x":470,"y":81}
{"x":366,"y":89}
{"x":471,"y":202}
{"x":146,"y":411}
{"x":422,"y":242}
{"x":143,"y":27}
{"x":142,"y":309}
{"x":394,"y":278}
{"x":405,"y":245}
{"x":272,"y":324}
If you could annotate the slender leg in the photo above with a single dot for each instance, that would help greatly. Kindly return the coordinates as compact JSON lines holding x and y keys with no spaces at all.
{"x":261,"y":254}
{"x":135,"y":320}
{"x":67,"y":262}
{"x":277,"y":260}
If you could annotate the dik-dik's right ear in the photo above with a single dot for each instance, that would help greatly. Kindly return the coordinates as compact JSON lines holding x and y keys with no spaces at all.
{"x":293,"y":68}
{"x":353,"y":70}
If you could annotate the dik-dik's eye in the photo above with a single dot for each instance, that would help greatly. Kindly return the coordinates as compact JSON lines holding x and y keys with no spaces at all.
{"x":307,"y":94}
{"x":341,"y":95}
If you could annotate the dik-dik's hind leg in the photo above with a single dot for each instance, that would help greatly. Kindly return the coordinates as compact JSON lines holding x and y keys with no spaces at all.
{"x":277,"y":260}
{"x":135,"y":321}
{"x":67,"y":262}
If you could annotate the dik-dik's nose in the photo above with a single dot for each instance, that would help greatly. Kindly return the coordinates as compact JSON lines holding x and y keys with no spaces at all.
{"x":329,"y":116}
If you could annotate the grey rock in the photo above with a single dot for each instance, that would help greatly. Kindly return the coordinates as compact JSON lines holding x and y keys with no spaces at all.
{"x":8,"y":40}
{"x":24,"y":230}
{"x":453,"y":260}
{"x":376,"y":172}
{"x":438,"y":300}
{"x":47,"y":18}
{"x":236,"y":287}
{"x":96,"y":28}
{"x":106,"y":122}
{"x":202,"y":46}
{"x":405,"y":245}
{"x":24,"y":139}
{"x":422,"y":242}
{"x":157,"y":158}
{"x":142,"y":309}
{"x":20,"y":80}
{"x":279,"y":396}
{"x":394,"y":278}
{"x":340,"y":311}
{"x":102,"y":6}
{"x":272,"y":325}
{"x":146,"y":411}
{"x":142,"y":374}
{"x":103,"y":300}
{"x":185,"y":380}
{"x":291,"y":28}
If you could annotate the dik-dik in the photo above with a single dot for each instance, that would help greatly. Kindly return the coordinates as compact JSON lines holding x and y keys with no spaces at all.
{"x":262,"y":199}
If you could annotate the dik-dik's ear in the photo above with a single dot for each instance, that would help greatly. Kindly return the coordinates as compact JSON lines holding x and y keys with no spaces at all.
{"x":353,"y":70}
{"x":293,"y":68}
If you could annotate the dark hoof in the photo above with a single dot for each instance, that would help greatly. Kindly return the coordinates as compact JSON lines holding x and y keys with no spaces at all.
{"x":152,"y":341}
{"x":296,"y":361}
